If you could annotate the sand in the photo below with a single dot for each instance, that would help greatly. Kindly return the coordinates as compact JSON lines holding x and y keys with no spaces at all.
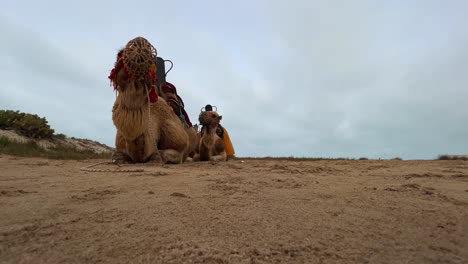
{"x":256,"y":211}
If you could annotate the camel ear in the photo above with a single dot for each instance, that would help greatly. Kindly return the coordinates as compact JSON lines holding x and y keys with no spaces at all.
{"x":220,"y":117}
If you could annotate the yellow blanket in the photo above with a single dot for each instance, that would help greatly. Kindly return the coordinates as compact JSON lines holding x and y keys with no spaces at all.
{"x":227,"y":143}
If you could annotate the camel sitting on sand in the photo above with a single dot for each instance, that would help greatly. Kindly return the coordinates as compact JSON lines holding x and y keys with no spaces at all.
{"x":147,"y":127}
{"x":211,"y":145}
{"x":169,"y":92}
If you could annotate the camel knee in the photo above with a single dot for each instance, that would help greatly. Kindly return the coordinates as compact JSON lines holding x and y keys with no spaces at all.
{"x":220,"y":157}
{"x":171,"y":156}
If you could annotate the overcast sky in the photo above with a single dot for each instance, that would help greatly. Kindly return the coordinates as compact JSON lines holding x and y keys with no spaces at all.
{"x":291,"y":78}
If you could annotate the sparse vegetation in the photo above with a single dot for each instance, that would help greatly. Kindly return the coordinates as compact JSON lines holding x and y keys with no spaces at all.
{"x":37,"y":128}
{"x":61,"y":136}
{"x":452,"y":157}
{"x":29,"y":125}
{"x":363,"y":158}
{"x":443,"y":157}
{"x":31,"y":149}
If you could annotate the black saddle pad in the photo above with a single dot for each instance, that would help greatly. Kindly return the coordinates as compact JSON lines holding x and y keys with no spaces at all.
{"x":160,"y":71}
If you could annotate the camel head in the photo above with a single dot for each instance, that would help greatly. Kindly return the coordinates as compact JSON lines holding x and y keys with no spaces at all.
{"x":134,"y":74}
{"x":210,"y":119}
{"x":134,"y":79}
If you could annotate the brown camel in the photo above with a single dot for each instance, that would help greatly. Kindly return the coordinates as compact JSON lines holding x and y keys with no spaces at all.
{"x":147,"y":127}
{"x":210,"y":146}
{"x":169,"y":93}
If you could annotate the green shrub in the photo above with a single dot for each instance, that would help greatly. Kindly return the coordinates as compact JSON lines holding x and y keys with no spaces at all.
{"x":61,"y":136}
{"x":9,"y":117}
{"x":28,"y":125}
{"x":452,"y":157}
{"x":444,"y":157}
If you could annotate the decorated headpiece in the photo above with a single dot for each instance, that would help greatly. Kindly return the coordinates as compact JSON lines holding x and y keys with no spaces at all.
{"x":208,"y":108}
{"x":137,"y":59}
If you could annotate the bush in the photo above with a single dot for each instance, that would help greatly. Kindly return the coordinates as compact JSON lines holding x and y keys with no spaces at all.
{"x":28,"y":125}
{"x":452,"y":157}
{"x":9,"y":117}
{"x":61,"y":136}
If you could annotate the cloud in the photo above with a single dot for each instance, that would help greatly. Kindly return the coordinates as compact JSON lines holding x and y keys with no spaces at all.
{"x":309,"y":78}
{"x":49,"y":80}
{"x":358,"y":95}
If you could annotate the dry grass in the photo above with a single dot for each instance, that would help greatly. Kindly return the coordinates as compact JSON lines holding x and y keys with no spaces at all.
{"x":31,"y":149}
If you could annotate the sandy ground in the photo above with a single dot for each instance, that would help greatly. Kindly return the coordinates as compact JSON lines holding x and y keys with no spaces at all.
{"x":257,"y":211}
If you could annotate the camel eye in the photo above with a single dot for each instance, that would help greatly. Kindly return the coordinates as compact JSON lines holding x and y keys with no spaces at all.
{"x":213,"y":116}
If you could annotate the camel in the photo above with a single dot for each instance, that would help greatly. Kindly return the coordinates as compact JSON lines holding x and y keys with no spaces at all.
{"x":169,"y":93}
{"x":210,"y":145}
{"x":148,"y":130}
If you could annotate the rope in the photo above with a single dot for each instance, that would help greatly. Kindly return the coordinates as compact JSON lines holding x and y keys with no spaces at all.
{"x":89,"y":168}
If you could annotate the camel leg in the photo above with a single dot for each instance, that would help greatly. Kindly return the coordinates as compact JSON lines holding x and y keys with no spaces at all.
{"x":205,"y":152}
{"x":220,"y":157}
{"x":120,"y":156}
{"x":171,"y":156}
{"x":155,"y":158}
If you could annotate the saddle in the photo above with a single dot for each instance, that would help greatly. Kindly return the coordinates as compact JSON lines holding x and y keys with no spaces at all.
{"x":169,"y":91}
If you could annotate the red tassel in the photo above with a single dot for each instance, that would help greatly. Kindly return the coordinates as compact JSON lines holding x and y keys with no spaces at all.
{"x":153,"y":95}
